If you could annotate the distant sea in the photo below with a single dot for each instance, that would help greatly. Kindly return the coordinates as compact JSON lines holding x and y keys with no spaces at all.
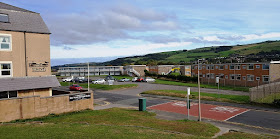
{"x":62,"y":61}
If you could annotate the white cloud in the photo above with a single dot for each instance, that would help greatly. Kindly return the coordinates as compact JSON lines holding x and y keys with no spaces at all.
{"x":211,"y":38}
{"x":250,"y":37}
{"x":105,"y":51}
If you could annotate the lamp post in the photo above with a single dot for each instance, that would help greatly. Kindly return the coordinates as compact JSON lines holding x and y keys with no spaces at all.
{"x":198,"y":81}
{"x":88,"y":76}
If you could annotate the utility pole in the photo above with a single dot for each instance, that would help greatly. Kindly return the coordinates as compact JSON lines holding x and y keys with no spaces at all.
{"x":88,"y":76}
{"x":198,"y":80}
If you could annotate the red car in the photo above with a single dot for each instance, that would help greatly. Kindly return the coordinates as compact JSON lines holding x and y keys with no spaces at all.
{"x":140,"y":79}
{"x":75,"y":87}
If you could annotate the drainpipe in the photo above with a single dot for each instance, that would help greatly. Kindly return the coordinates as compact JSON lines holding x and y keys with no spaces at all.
{"x":25,"y":55}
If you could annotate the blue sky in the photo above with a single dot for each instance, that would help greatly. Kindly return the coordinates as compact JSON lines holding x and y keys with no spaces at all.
{"x":94,"y":28}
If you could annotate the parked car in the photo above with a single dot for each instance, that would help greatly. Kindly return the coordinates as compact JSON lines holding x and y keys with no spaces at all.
{"x":75,"y":87}
{"x":149,"y":79}
{"x":99,"y":81}
{"x":140,"y":79}
{"x":109,"y":77}
{"x":124,"y":80}
{"x":134,"y":79}
{"x":77,"y":79}
{"x":69,"y":79}
{"x":84,"y":80}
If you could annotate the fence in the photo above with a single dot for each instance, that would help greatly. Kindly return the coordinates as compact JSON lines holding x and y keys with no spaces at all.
{"x":36,"y":106}
{"x":272,"y":90}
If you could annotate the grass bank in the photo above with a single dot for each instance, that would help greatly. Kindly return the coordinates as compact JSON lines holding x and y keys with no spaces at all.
{"x":268,"y":99}
{"x":204,"y":96}
{"x":109,"y":123}
{"x":101,"y":86}
{"x":160,"y":81}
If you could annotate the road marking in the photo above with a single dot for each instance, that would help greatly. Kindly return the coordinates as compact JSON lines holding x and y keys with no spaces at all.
{"x":236,"y":115}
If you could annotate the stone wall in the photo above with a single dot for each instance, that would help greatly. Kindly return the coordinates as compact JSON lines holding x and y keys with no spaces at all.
{"x":36,"y":106}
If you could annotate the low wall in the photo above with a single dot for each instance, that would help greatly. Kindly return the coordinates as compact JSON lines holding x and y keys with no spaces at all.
{"x":36,"y":106}
{"x":264,"y":90}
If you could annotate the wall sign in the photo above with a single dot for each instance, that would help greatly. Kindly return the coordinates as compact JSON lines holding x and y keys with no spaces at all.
{"x":38,"y":67}
{"x":79,"y":97}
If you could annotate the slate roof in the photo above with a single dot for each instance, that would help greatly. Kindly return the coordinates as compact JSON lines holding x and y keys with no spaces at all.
{"x":22,"y":20}
{"x":27,"y":83}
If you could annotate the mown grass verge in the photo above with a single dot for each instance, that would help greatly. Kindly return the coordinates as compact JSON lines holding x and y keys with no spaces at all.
{"x":160,"y":81}
{"x":241,"y":135}
{"x":116,"y":123}
{"x":268,"y":99}
{"x":204,"y":96}
{"x":101,"y":86}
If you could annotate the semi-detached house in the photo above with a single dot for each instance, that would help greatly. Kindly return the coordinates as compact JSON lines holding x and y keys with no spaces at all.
{"x":25,"y":68}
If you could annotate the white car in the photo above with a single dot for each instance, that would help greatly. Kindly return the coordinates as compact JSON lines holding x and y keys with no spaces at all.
{"x":149,"y":79}
{"x":134,"y":79}
{"x":99,"y":81}
{"x":67,"y":79}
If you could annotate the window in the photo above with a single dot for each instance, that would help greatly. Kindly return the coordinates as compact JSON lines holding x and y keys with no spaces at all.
{"x":250,"y":77}
{"x":265,"y":66}
{"x":250,"y":66}
{"x":203,"y":75}
{"x":226,"y":76}
{"x":5,"y":69}
{"x":226,"y":66}
{"x":4,"y":18}
{"x":231,"y":67}
{"x":258,"y":78}
{"x":244,"y":77}
{"x":258,"y":66}
{"x":244,"y":66}
{"x":208,"y":67}
{"x":237,"y":67}
{"x":222,"y":76}
{"x":207,"y":75}
{"x":217,"y":67}
{"x":265,"y":78}
{"x":232,"y":77}
{"x":203,"y":67}
{"x":238,"y":77}
{"x":5,"y":42}
{"x":212,"y":75}
{"x":221,"y":67}
{"x":212,"y":67}
{"x":200,"y":67}
{"x":8,"y":94}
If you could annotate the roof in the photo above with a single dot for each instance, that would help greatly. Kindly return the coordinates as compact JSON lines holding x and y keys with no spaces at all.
{"x":275,"y":62}
{"x":27,"y":83}
{"x":22,"y":20}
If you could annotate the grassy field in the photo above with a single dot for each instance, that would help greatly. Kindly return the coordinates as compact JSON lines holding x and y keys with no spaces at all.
{"x":204,"y":96}
{"x":109,"y":123}
{"x":160,"y":81}
{"x":101,"y":86}
{"x":240,"y":135}
{"x":120,"y":77}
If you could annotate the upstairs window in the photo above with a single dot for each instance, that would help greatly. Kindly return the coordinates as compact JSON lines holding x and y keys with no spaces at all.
{"x":5,"y":42}
{"x":5,"y":70}
{"x":265,"y":66}
{"x":250,"y":67}
{"x":231,"y":67}
{"x":4,"y":18}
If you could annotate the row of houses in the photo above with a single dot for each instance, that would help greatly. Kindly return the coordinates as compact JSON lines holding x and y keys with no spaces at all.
{"x":236,"y":74}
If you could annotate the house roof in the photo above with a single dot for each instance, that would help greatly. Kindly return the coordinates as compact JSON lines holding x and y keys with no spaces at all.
{"x":22,"y":20}
{"x":27,"y":83}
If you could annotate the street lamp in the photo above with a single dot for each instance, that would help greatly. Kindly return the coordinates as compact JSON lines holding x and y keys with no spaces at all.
{"x":198,"y":81}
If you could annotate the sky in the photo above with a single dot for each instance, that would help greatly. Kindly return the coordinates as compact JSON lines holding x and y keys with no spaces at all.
{"x":109,"y":28}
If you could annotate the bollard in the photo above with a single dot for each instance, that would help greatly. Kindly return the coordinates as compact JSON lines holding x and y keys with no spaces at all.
{"x":142,"y":104}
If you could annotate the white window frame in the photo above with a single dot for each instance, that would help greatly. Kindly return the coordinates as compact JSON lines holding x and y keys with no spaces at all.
{"x":237,"y":66}
{"x":236,"y":77}
{"x":11,"y":42}
{"x":250,"y":76}
{"x":258,"y":78}
{"x":265,"y":76}
{"x":222,"y":67}
{"x":232,"y":75}
{"x":258,"y":66}
{"x":249,"y":66}
{"x":11,"y":70}
{"x":263,"y":66}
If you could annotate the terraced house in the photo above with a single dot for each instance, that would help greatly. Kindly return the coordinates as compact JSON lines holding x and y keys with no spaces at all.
{"x":238,"y":74}
{"x":24,"y":54}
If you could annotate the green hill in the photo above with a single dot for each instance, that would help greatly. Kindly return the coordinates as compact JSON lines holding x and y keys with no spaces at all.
{"x":263,"y":51}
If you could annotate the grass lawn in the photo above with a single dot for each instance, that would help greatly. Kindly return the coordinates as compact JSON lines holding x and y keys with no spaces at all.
{"x":160,"y":81}
{"x":108,"y":123}
{"x":101,"y":86}
{"x":204,"y":96}
{"x":121,"y":76}
{"x":240,"y":135}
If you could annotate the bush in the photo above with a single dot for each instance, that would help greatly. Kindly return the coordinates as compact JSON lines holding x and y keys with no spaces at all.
{"x":276,"y":102}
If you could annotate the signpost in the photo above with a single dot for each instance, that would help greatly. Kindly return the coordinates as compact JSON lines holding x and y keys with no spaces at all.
{"x":188,"y":101}
{"x":218,"y":82}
